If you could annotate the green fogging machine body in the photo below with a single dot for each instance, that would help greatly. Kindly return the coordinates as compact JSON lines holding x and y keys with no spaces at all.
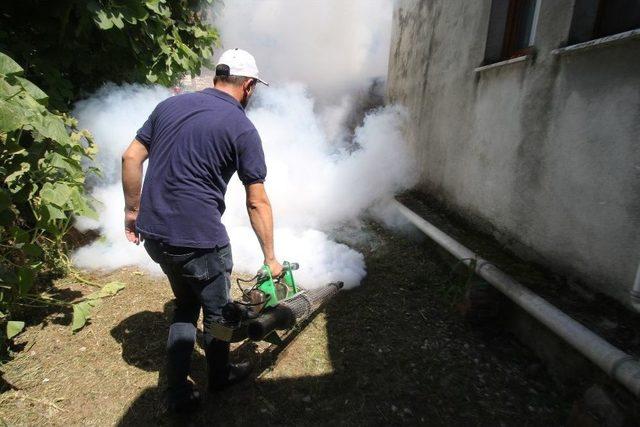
{"x":270,"y":304}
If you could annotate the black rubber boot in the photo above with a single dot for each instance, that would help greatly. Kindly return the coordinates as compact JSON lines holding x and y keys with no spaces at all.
{"x":235,"y":373}
{"x":186,"y":404}
{"x":223,"y":374}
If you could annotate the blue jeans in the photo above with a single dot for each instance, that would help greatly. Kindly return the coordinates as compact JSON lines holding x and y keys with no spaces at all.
{"x":200,"y":279}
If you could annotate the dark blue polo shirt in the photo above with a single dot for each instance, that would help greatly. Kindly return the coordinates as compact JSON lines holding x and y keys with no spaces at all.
{"x":196,"y":142}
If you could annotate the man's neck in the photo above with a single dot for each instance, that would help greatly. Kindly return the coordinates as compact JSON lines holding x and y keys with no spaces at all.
{"x":232,"y":91}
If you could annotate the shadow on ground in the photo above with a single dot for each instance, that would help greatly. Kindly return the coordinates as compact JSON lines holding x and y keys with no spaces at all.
{"x":400,"y":355}
{"x":43,"y":313}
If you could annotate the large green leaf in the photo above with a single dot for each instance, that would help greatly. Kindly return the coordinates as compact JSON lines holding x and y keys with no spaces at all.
{"x":59,"y":161}
{"x":8,"y":90}
{"x":8,"y":66}
{"x":11,"y":116}
{"x":112,"y":288}
{"x":82,"y":310}
{"x":52,"y":212}
{"x":58,"y":193}
{"x":81,"y":206}
{"x":51,"y":126}
{"x":32,"y":89}
{"x":108,"y":290}
{"x":14,"y":327}
{"x":81,"y":313}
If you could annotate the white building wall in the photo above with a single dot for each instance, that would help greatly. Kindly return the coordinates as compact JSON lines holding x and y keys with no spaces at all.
{"x":544,"y":153}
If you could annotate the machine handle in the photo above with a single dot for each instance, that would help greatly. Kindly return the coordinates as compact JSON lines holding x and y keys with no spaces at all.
{"x":291,"y":265}
{"x":265,"y":271}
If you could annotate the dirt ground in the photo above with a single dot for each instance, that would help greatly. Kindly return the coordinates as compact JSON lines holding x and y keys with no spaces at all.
{"x":392,"y":351}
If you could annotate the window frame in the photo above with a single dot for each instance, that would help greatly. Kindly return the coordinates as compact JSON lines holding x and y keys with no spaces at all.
{"x":504,"y":31}
{"x":595,"y":31}
{"x":510,"y":39}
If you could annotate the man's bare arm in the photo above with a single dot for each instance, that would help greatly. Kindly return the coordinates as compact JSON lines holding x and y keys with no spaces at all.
{"x":132,"y":160}
{"x":261,"y":217}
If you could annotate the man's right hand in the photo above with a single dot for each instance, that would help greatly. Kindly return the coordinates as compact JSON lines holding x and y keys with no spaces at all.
{"x":275,"y":267}
{"x":132,"y":160}
{"x":130,"y":216}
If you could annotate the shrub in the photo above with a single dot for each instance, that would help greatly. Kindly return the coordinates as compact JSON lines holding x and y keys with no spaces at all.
{"x":41,"y":189}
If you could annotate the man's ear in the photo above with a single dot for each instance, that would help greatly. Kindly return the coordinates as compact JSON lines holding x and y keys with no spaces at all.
{"x":249,"y":84}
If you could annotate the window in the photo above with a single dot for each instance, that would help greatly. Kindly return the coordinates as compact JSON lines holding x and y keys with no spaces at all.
{"x":593,"y":19}
{"x":511,"y":29}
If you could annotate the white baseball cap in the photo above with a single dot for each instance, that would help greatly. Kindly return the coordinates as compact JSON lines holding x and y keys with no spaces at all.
{"x":240,"y":63}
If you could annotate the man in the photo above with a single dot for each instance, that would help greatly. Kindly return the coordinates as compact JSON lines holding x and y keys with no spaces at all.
{"x":195,"y":142}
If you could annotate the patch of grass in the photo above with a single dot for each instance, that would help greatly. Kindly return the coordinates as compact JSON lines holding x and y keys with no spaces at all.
{"x":391,"y":351}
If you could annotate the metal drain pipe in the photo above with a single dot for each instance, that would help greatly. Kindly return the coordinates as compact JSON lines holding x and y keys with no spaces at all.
{"x":616,"y":363}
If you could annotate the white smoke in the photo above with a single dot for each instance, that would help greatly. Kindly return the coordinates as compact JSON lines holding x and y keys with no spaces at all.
{"x":315,"y":185}
{"x":113,"y":115}
{"x":332,"y":46}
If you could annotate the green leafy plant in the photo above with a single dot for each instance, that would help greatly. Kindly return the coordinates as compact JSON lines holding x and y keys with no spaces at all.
{"x":82,"y":309}
{"x":41,"y":190}
{"x":72,"y":47}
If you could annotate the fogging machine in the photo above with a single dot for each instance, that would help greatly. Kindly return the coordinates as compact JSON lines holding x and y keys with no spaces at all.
{"x":269,"y":304}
